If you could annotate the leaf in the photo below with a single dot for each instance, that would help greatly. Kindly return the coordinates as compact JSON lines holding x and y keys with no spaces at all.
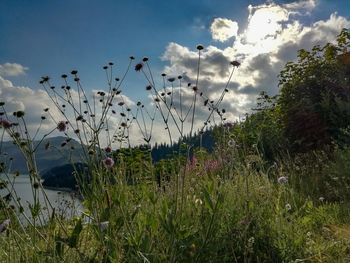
{"x":73,"y":239}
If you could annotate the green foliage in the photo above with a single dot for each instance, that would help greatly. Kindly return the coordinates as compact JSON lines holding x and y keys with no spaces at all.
{"x":315,"y":95}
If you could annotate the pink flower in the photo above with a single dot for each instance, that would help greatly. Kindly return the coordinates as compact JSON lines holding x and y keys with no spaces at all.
{"x":5,"y":123}
{"x":108,"y":162}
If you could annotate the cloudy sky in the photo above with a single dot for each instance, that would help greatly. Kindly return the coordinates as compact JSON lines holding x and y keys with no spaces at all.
{"x":49,"y":38}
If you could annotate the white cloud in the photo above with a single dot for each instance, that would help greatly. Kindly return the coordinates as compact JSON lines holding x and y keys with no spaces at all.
{"x":223,"y":29}
{"x":272,"y":37}
{"x":23,"y":98}
{"x":12,"y":69}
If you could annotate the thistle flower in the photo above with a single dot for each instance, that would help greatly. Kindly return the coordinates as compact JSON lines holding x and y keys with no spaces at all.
{"x":235,"y":63}
{"x":199,"y":47}
{"x":108,"y":149}
{"x":5,"y":123}
{"x":282,"y":180}
{"x":62,"y":126}
{"x":4,"y":225}
{"x":139,"y":66}
{"x":108,"y":162}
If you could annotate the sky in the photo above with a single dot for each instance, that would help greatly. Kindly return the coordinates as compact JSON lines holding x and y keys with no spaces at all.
{"x":48,"y":38}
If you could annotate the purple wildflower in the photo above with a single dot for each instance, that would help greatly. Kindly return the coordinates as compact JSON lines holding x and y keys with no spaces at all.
{"x":62,"y":126}
{"x":108,"y":162}
{"x":108,"y":149}
{"x":235,"y":63}
{"x":4,"y":225}
{"x":282,"y":180}
{"x":139,"y":66}
{"x":5,"y":123}
{"x":228,"y":125}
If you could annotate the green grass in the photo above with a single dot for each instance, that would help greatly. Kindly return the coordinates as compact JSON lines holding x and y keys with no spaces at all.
{"x":204,"y":217}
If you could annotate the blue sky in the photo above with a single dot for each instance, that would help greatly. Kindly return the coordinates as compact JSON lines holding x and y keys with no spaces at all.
{"x":54,"y":37}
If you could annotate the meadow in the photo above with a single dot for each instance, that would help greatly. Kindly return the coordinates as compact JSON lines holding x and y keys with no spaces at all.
{"x":275,"y":188}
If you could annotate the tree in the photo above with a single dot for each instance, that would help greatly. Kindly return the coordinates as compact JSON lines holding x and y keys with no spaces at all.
{"x":315,"y":95}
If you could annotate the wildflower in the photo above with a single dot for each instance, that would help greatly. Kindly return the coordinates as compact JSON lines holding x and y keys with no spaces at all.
{"x":275,"y":165}
{"x":199,"y":47}
{"x":108,"y":162}
{"x":5,"y":123}
{"x":171,"y":79}
{"x":63,"y":143}
{"x":198,"y":201}
{"x":231,"y":143}
{"x":62,"y":126}
{"x":64,"y":76}
{"x":108,"y":149}
{"x":145,"y":59}
{"x":193,"y":246}
{"x":235,"y":63}
{"x":73,"y":72}
{"x":149,"y":87}
{"x":121,"y":103}
{"x":195,"y":88}
{"x":288,"y":207}
{"x":123,"y":124}
{"x":4,"y":225}
{"x":139,"y":66}
{"x":282,"y":180}
{"x":228,"y":125}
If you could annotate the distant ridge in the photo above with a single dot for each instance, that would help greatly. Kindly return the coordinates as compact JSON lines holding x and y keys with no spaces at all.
{"x":55,"y":155}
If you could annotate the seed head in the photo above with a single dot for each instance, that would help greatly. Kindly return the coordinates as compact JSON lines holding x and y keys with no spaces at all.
{"x":235,"y":63}
{"x":199,"y":47}
{"x":145,"y":59}
{"x":138,"y":66}
{"x":62,"y":126}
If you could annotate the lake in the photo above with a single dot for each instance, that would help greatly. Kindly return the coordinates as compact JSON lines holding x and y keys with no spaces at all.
{"x":65,"y":204}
